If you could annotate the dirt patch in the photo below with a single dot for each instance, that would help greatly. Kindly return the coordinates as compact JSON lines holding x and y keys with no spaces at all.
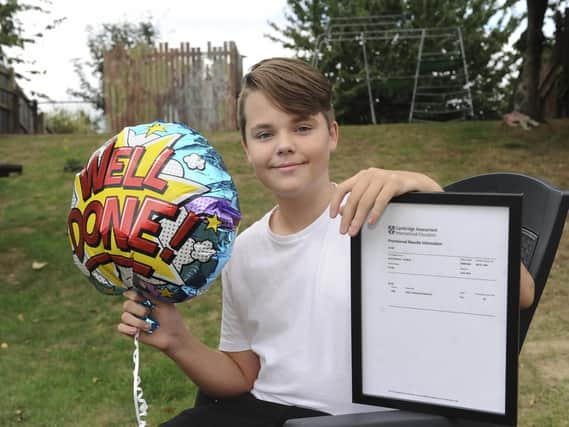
{"x":10,"y":262}
{"x":23,"y":230}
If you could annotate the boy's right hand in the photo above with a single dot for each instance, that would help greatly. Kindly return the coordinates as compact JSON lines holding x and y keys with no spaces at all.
{"x":217,"y":373}
{"x":171,"y":332}
{"x":370,"y":191}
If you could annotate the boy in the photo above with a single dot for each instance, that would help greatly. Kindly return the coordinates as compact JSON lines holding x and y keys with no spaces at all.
{"x":285,"y":336}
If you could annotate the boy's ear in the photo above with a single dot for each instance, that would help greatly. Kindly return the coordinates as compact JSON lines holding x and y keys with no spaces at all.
{"x":333,"y":132}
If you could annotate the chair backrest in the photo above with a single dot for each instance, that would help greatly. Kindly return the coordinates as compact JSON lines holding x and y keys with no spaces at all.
{"x":544,"y":209}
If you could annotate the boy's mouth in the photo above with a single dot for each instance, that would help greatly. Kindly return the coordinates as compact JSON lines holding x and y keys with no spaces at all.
{"x":288,"y":165}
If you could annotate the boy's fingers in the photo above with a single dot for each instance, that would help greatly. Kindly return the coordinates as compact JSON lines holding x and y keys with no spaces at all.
{"x":338,"y":195}
{"x":364,"y":194}
{"x":380,"y":204}
{"x":136,"y":308}
{"x":348,"y":211}
{"x":133,"y":295}
{"x":377,"y":210}
{"x":364,"y":206}
{"x":127,"y":330}
{"x":130,"y":320}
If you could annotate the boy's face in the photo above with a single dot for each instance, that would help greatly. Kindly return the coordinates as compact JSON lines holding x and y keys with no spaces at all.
{"x":289,"y":154}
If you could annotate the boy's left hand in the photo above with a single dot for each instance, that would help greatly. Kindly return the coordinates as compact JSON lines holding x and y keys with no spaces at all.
{"x":370,"y":192}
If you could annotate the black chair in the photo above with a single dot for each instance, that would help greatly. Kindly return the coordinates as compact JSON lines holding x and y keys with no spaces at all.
{"x":544,"y":210}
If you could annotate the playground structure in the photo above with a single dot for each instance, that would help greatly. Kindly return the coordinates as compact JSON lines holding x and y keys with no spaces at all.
{"x":439,"y":85}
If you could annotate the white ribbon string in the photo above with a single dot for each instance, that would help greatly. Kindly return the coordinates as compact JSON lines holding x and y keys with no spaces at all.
{"x":140,"y":405}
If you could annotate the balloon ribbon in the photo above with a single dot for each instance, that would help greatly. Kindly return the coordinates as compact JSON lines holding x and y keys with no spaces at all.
{"x":140,"y":405}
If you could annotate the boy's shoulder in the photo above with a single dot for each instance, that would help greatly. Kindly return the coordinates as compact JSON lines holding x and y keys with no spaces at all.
{"x":254,"y":231}
{"x":247,"y":242}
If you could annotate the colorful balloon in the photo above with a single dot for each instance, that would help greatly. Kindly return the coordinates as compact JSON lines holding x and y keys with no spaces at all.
{"x":154,"y":209}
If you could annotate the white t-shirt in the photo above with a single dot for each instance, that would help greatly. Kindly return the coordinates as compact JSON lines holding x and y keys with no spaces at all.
{"x":287,"y":298}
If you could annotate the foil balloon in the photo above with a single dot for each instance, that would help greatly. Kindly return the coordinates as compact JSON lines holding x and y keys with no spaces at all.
{"x":154,"y":209}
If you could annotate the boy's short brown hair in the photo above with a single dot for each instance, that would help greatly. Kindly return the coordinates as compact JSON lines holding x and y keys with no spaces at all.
{"x":292,"y":85}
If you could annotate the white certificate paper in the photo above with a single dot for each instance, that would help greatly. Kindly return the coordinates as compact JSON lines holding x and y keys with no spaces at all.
{"x":434,"y":306}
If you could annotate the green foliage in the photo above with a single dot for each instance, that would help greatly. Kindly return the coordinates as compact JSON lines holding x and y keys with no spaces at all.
{"x":13,"y":34}
{"x":101,"y":40}
{"x":72,"y":164}
{"x":11,"y":30}
{"x":64,"y":121}
{"x":486,"y":27}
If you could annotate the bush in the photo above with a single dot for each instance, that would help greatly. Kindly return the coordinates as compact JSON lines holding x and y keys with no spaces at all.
{"x":72,"y":165}
{"x":65,"y":121}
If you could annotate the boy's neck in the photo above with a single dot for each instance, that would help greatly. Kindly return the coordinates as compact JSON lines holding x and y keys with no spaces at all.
{"x":294,"y":214}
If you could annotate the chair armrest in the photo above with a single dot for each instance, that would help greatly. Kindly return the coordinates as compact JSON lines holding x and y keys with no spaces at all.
{"x":384,"y":419}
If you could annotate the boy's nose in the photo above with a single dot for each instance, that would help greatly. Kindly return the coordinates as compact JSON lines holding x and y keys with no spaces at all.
{"x":285,"y":145}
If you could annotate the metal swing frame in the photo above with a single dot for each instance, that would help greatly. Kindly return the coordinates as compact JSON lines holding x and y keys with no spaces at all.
{"x":438,"y":94}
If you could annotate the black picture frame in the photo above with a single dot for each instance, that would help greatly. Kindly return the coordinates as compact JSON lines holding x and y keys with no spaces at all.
{"x":509,"y":417}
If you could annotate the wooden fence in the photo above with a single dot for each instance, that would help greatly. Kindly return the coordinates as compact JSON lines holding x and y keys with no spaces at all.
{"x":188,"y":85}
{"x":18,"y":114}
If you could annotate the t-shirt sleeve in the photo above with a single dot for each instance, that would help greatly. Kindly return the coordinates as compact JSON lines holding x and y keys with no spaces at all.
{"x":232,"y":336}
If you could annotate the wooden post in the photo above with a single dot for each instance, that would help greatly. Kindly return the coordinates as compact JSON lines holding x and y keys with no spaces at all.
{"x":109,"y":78}
{"x":40,"y":123}
{"x":34,"y":112}
{"x":15,"y":112}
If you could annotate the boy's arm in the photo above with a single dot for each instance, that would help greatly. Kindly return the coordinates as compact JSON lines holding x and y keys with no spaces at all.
{"x":527,"y":288}
{"x":370,"y":192}
{"x":218,"y":374}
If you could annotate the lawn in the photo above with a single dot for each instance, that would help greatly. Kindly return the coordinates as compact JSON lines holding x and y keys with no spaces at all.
{"x":62,"y":363}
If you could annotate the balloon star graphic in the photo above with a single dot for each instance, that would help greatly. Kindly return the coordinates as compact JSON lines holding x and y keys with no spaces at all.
{"x":156,"y":127}
{"x":213,"y":222}
{"x":165,"y":292}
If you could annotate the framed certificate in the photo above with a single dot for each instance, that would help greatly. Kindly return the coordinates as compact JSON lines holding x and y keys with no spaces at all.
{"x":435,"y":306}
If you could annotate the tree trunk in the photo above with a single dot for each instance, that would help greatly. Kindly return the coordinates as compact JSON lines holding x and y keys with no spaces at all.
{"x":530,"y":102}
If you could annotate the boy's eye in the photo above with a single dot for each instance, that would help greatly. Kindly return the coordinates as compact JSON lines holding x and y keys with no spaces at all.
{"x":303,"y":129}
{"x":263,"y":135}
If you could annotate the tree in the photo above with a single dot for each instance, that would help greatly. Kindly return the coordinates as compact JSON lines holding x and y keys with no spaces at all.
{"x":532,"y":56}
{"x":13,"y":37}
{"x":530,"y":46}
{"x":486,"y":27}
{"x":100,"y":41}
{"x":341,"y":63}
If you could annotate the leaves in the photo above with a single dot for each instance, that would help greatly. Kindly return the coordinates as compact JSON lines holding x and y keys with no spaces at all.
{"x":486,"y":28}
{"x":12,"y":31}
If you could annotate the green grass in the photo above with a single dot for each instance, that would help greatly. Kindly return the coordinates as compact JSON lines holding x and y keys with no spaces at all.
{"x":64,"y":364}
